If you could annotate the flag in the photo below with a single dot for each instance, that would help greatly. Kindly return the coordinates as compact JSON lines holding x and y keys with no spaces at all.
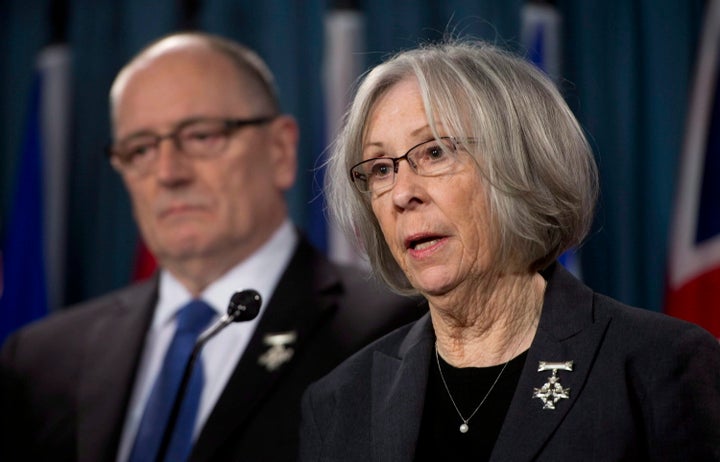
{"x":343,"y":63}
{"x":693,"y":291}
{"x":145,"y":263}
{"x":540,"y":34}
{"x":54,"y":66}
{"x":33,"y":242}
{"x":24,"y":294}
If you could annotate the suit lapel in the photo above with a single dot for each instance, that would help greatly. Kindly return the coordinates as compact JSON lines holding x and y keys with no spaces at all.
{"x":113,"y":349}
{"x":306,"y":294}
{"x":566,"y":332}
{"x":398,"y":395}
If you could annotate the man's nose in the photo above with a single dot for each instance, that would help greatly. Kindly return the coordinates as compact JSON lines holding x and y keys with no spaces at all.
{"x":171,"y":164}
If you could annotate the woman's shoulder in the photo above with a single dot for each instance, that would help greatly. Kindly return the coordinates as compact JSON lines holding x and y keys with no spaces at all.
{"x":639,"y":330}
{"x":633,"y":317}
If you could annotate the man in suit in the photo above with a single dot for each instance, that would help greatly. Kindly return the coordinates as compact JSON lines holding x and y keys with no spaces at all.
{"x":206,"y":156}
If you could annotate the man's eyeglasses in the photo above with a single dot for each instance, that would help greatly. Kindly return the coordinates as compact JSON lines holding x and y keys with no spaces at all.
{"x":429,"y":158}
{"x":198,"y":138}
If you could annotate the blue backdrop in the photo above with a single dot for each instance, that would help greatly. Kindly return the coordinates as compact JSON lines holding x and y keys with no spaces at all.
{"x":627,"y":68}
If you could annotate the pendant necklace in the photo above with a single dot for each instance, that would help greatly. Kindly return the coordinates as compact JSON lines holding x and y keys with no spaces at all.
{"x":464,"y":427}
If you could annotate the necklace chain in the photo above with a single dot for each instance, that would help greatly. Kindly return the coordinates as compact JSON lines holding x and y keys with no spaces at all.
{"x":464,"y":427}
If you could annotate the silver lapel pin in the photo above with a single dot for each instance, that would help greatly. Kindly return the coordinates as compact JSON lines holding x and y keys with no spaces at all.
{"x":552,"y":391}
{"x":279,"y":352}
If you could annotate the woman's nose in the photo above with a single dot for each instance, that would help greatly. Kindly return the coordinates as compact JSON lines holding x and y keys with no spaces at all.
{"x":408,"y":190}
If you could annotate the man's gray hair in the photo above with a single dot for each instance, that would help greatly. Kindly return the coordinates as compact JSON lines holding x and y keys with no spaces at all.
{"x":246,"y":61}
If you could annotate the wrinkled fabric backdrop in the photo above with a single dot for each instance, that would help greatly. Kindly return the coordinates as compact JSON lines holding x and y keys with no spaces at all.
{"x":627,"y":68}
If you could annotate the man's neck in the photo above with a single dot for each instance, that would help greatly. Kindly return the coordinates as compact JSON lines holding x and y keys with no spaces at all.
{"x":199,"y":273}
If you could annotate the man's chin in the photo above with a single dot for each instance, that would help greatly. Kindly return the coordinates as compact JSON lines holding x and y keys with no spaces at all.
{"x":179,"y":249}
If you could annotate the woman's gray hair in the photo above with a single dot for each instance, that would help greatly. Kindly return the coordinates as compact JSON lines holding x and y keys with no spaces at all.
{"x":540,"y":176}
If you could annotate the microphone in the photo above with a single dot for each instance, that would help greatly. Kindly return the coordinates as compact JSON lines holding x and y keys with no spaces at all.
{"x":243,"y":306}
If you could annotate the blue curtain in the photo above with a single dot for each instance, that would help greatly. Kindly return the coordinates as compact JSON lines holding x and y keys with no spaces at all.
{"x":627,"y":67}
{"x":23,"y":31}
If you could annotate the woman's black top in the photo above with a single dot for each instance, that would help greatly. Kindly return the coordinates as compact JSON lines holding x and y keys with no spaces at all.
{"x":440,"y":437}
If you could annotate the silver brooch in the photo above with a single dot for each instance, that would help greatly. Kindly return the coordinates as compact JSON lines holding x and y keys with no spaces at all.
{"x":279,"y":352}
{"x":552,"y":391}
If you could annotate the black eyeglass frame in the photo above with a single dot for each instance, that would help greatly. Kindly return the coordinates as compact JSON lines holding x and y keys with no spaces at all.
{"x":231,"y":126}
{"x":356,"y":175}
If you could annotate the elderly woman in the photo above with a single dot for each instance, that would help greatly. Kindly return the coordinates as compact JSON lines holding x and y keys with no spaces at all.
{"x":465,"y":175}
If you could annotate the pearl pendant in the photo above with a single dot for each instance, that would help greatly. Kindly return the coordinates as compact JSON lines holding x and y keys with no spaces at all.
{"x":464,"y":428}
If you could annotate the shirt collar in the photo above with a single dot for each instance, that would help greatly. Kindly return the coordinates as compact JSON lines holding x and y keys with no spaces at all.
{"x":261,"y":271}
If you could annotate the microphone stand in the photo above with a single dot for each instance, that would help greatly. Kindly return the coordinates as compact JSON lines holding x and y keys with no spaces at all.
{"x":244,"y":306}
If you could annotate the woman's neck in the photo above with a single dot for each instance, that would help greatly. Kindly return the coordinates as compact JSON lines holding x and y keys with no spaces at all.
{"x":492,"y":323}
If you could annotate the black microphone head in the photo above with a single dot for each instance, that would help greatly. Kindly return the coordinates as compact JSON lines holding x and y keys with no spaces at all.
{"x":244,"y":305}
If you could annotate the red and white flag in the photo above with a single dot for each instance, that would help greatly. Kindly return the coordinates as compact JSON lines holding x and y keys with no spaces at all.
{"x":694,"y":258}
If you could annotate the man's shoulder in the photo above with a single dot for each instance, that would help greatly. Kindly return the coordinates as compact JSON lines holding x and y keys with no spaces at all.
{"x":355,"y":372}
{"x":369,"y":304}
{"x":355,"y":307}
{"x":360,"y":282}
{"x":71,"y":322}
{"x":357,"y":289}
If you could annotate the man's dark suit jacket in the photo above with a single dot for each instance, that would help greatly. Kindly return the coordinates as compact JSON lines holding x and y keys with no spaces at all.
{"x":643,"y":387}
{"x":67,"y":380}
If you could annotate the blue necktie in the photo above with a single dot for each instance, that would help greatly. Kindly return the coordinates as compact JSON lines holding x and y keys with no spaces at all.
{"x":191,"y":320}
